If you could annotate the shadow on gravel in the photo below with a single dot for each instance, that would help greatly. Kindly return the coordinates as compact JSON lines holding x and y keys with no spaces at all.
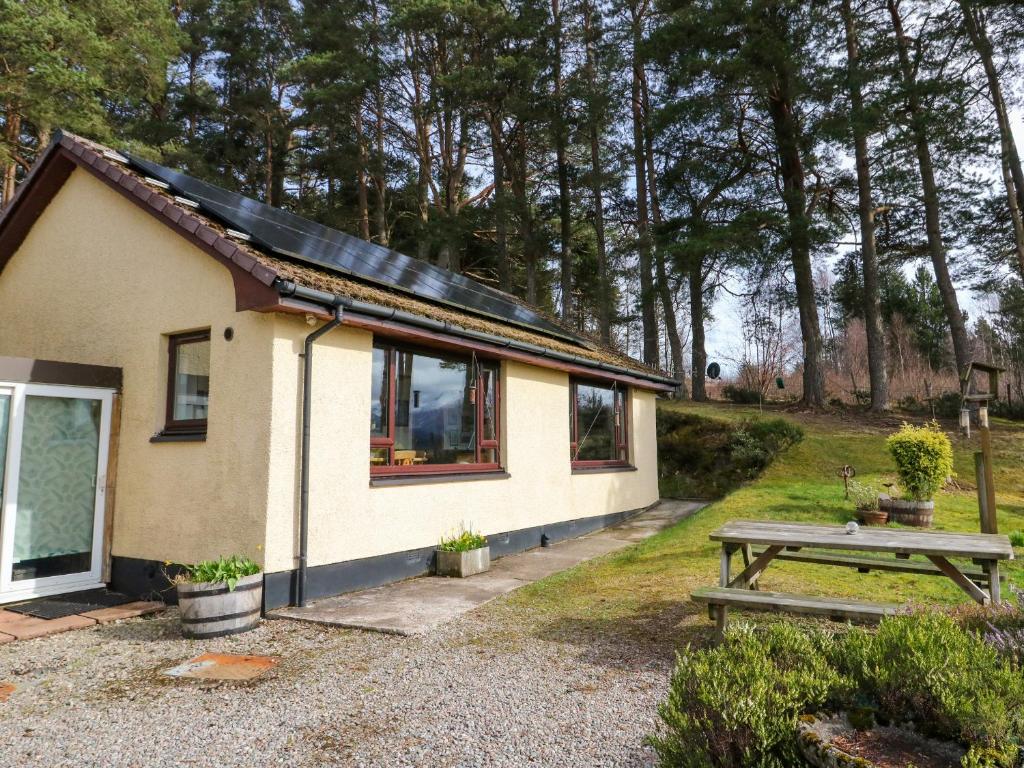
{"x":648,"y":638}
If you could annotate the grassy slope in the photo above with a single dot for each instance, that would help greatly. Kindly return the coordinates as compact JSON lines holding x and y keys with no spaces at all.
{"x":645,"y":589}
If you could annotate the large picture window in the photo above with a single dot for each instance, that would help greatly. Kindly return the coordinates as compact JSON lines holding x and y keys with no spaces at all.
{"x":432,"y":412}
{"x":598,"y":425}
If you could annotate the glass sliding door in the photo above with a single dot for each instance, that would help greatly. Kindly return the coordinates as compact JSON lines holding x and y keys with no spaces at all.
{"x":6,"y":398}
{"x":55,"y":490}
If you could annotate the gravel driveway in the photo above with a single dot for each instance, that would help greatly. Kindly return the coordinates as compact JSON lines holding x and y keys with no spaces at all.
{"x":488,"y":689}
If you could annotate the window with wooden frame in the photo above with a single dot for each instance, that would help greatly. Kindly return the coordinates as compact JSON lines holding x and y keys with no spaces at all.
{"x":598,"y":425}
{"x":433,"y":412}
{"x":188,"y":383}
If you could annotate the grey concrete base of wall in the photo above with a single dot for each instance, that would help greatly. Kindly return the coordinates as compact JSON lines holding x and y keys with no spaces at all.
{"x":145,"y":578}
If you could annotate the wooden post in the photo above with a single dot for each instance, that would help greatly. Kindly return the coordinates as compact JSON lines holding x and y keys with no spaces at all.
{"x":979,"y":477}
{"x":988,"y":518}
{"x":724,"y":565}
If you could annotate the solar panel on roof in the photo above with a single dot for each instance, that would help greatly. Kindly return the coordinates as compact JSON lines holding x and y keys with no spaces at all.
{"x":289,"y":235}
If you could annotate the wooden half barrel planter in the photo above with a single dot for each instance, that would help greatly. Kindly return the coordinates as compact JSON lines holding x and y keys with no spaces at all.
{"x":210,"y":609}
{"x":919,"y":514}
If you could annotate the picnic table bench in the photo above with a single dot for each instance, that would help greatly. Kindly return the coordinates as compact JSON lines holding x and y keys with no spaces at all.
{"x":831,"y":545}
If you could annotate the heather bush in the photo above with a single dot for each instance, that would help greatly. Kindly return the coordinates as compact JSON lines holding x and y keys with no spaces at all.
{"x":738,"y":704}
{"x":927,"y":670}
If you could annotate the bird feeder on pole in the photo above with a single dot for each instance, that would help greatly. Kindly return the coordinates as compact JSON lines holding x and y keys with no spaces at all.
{"x":983,"y":461}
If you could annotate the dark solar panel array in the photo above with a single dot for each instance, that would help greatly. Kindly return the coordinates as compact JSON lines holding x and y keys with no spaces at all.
{"x":286,"y":234}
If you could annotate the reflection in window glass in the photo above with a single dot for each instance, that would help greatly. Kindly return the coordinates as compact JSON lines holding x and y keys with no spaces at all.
{"x":595,"y":420}
{"x":439,"y":400}
{"x":435,"y":420}
{"x":490,"y":404}
{"x":191,"y":380}
{"x":598,"y":423}
{"x":379,"y":393}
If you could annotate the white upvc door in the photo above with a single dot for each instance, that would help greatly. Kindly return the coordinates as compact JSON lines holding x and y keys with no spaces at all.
{"x":54,"y":443}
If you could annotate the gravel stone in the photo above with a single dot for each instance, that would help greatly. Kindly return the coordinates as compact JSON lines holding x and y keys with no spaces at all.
{"x":483,"y":690}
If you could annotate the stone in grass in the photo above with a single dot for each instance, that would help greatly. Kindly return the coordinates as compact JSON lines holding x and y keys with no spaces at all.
{"x":834,"y":742}
{"x":223,"y":666}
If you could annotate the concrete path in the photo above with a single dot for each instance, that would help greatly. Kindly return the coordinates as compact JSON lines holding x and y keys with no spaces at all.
{"x":416,"y":606}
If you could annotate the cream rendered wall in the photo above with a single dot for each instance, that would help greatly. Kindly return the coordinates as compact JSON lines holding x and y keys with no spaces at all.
{"x":100,"y":281}
{"x":349,"y":519}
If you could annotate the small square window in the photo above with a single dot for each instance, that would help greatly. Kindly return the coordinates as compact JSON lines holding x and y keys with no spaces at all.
{"x":188,"y":383}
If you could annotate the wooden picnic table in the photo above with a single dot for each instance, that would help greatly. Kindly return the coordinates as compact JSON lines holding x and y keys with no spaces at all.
{"x":831,"y":545}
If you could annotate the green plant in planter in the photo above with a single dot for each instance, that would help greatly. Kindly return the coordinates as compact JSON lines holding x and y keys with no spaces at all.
{"x":864,"y":497}
{"x":227,"y":570}
{"x":464,"y":542}
{"x":924,"y":459}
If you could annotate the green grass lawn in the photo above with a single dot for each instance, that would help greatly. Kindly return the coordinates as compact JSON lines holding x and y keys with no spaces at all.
{"x":645,"y":590}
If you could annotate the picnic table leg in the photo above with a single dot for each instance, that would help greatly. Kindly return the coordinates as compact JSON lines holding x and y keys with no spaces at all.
{"x":721,"y":621}
{"x":724,"y":566}
{"x":992,"y":567}
{"x":748,"y":558}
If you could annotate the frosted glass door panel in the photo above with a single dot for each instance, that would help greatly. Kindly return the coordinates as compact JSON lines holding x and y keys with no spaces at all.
{"x":5,"y":430}
{"x":53,"y":530}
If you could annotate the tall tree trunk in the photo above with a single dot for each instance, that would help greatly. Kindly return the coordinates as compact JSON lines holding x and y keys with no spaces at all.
{"x":698,"y":353}
{"x":648,"y":315}
{"x":361,"y":191}
{"x":12,"y":134}
{"x":422,"y":133}
{"x":604,"y":293}
{"x":668,"y":307}
{"x":787,"y":138}
{"x":564,"y":200}
{"x":1013,"y":177}
{"x":877,"y":373}
{"x":936,"y":248}
{"x":380,"y":182}
{"x":500,"y":205}
{"x":521,"y":192}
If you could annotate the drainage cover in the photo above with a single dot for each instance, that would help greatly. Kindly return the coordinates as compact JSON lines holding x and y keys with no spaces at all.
{"x":223,"y":666}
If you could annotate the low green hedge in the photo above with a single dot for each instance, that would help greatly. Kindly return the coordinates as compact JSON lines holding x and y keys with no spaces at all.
{"x":701,"y":457}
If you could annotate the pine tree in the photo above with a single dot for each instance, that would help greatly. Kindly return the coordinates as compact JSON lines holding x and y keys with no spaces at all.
{"x":88,"y":67}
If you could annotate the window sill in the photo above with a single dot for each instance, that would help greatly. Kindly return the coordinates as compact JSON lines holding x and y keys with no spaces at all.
{"x":594,"y":470}
{"x":178,"y":437}
{"x":384,"y":481}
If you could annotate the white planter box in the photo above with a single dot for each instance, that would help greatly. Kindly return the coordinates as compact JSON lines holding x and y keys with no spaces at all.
{"x":463,"y":564}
